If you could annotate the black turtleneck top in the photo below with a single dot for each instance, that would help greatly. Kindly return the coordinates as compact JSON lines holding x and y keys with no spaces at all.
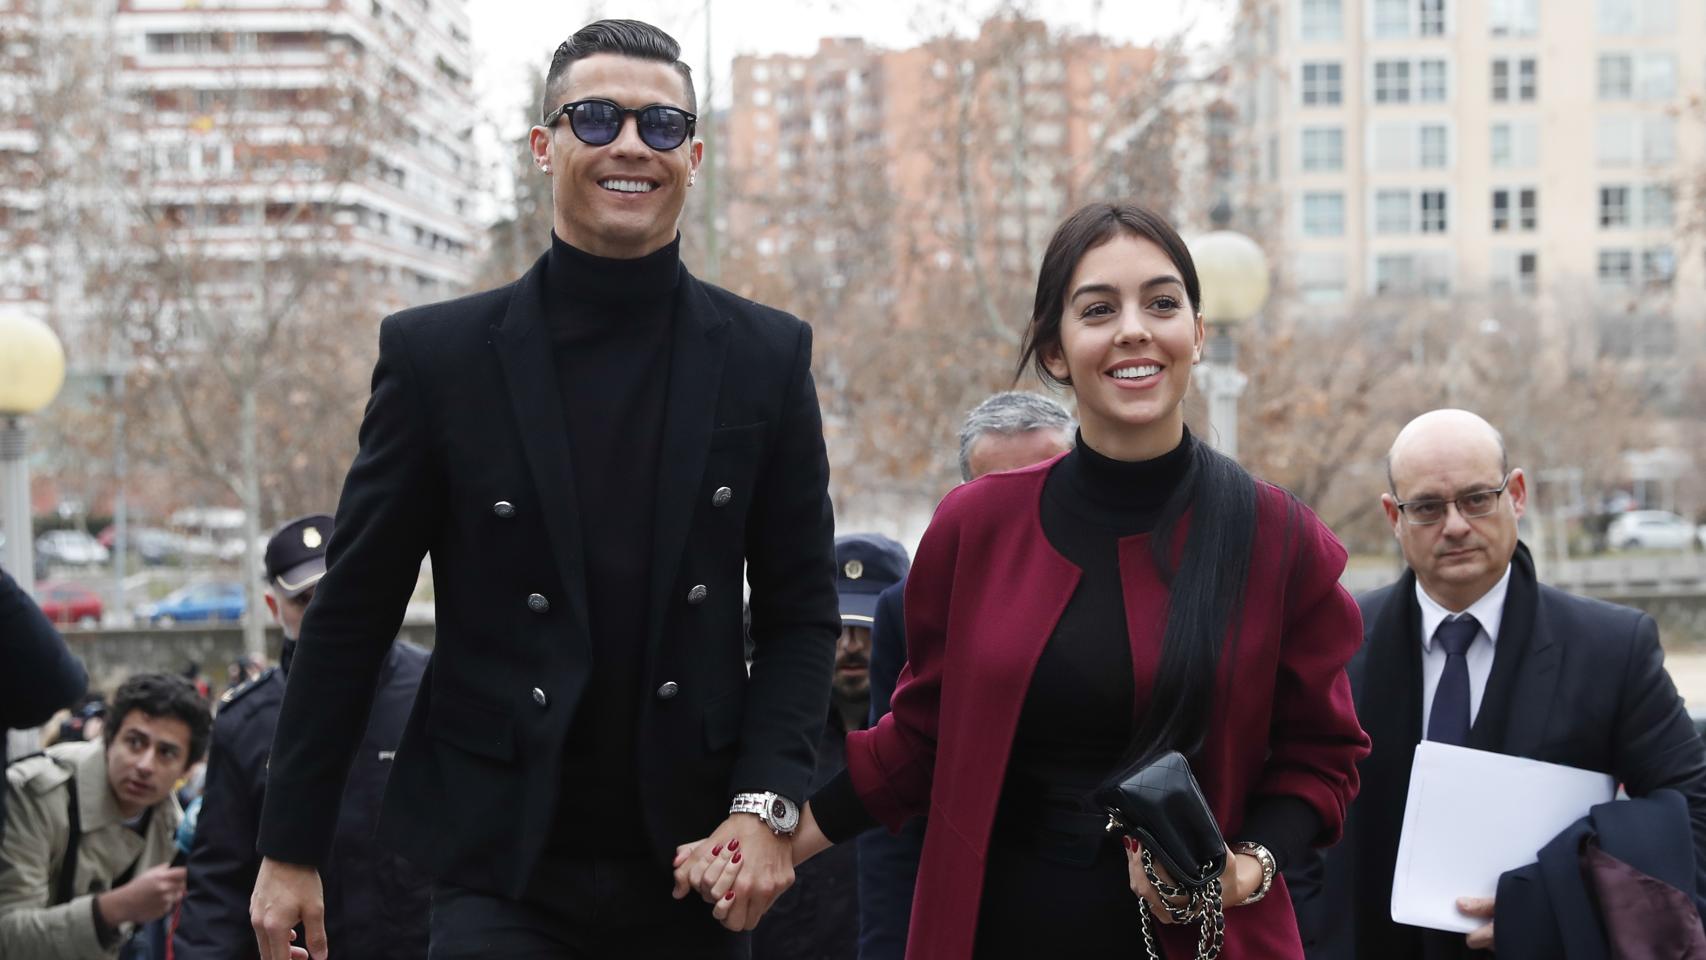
{"x":611,"y":324}
{"x":1078,"y":711}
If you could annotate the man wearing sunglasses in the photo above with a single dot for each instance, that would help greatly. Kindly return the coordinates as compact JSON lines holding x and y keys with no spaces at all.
{"x":1468,"y":648}
{"x":594,"y":456}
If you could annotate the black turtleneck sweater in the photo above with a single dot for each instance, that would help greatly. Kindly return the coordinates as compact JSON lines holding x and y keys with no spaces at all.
{"x":611,"y":327}
{"x":1077,"y":716}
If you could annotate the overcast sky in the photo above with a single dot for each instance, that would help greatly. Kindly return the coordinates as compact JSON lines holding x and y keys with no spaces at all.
{"x":513,"y":39}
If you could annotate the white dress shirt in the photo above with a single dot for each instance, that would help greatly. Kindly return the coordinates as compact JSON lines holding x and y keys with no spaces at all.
{"x":1489,"y":611}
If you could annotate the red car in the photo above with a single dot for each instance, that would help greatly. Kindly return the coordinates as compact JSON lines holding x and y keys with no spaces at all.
{"x":69,"y":603}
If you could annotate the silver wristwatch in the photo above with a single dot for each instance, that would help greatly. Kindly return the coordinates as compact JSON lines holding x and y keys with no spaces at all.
{"x":779,"y":813}
{"x":1269,"y":868}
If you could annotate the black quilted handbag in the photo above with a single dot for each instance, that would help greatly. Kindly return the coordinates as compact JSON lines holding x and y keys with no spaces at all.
{"x":1162,"y":807}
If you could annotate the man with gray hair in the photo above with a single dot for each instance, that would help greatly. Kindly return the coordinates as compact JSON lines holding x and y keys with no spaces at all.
{"x":1011,"y":429}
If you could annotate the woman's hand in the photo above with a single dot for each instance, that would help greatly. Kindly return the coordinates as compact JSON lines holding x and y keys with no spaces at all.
{"x":1140,"y":884}
{"x":1239,"y":879}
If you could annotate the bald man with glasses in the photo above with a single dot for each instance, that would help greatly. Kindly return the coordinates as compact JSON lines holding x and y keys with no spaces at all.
{"x":1468,"y":648}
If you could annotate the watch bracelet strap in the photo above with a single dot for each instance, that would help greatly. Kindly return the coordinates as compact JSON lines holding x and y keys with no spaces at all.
{"x":1269,"y":868}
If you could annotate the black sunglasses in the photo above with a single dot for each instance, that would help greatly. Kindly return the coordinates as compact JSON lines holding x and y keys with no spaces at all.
{"x":599,"y":122}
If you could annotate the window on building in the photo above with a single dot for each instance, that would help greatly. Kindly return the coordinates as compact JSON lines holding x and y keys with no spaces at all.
{"x":1658,"y":205}
{"x":1616,"y":76}
{"x":1516,"y":271}
{"x":1515,"y":18}
{"x":1515,"y":80}
{"x":1323,"y":85}
{"x":1323,"y":148}
{"x":1432,"y":148}
{"x":1637,"y":17}
{"x":1322,"y":20}
{"x":1658,"y":266}
{"x":1393,"y":211}
{"x":1616,"y":268}
{"x":1433,"y":211}
{"x":1528,"y":209}
{"x":1617,"y":141}
{"x":1394,"y":273}
{"x":1515,"y":144}
{"x":1430,"y":18}
{"x":1613,"y":207}
{"x":1391,"y":81}
{"x":1321,"y":277}
{"x":1391,"y":18}
{"x":1655,"y":76}
{"x":1501,"y":211}
{"x":1527,"y":79}
{"x":1658,"y":141}
{"x":1324,"y":214}
{"x":1430,"y":81}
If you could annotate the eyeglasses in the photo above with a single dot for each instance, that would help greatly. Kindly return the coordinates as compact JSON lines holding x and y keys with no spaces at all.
{"x":1478,"y":503}
{"x":599,"y":122}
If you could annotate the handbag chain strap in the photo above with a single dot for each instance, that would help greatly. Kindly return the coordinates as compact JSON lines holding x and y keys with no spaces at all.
{"x":1203,"y":906}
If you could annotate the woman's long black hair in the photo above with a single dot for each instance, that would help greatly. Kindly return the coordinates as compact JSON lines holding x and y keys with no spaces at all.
{"x":1206,"y":575}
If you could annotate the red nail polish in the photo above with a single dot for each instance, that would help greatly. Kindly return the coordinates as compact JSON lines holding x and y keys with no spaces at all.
{"x":736,"y":859}
{"x":729,"y":896}
{"x":734,"y":845}
{"x":716,"y":849}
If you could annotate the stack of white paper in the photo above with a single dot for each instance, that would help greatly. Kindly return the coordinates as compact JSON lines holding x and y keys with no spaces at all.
{"x":1471,"y":816}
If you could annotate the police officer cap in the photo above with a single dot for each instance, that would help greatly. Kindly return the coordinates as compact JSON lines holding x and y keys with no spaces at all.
{"x":866,"y":564}
{"x":296,"y":554}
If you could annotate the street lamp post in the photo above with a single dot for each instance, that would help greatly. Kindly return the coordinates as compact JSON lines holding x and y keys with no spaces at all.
{"x":1234,"y":277}
{"x":32,"y":369}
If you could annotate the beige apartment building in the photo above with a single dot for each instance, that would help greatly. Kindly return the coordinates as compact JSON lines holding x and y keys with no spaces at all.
{"x":899,"y":167}
{"x":236,"y":126}
{"x":1536,"y":150}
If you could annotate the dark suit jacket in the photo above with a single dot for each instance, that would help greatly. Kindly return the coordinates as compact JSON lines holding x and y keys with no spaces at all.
{"x":376,"y":904}
{"x":1575,"y":681}
{"x":38,"y":675}
{"x":1551,"y":909}
{"x":464,"y":453}
{"x":888,"y":862}
{"x":985,"y":594}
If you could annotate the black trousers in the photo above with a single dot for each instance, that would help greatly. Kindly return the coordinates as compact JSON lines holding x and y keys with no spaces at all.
{"x":586,"y":909}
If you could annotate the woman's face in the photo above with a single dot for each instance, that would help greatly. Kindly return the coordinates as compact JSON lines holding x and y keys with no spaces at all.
{"x":1128,"y":340}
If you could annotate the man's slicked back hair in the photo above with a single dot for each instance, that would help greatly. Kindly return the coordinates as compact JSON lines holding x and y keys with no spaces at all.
{"x":627,"y":38}
{"x":1009,"y":413}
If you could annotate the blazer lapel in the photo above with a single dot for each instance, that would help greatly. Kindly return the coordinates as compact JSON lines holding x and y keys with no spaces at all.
{"x":697,"y":351}
{"x":523,"y":346}
{"x":1525,"y":670}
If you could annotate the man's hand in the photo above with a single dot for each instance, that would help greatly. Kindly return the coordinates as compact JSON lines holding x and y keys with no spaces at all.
{"x":151,"y":895}
{"x":287,"y":894}
{"x":760,"y":862}
{"x":1481,"y":907}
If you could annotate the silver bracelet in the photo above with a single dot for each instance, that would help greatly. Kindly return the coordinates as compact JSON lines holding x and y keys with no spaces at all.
{"x":1269,"y":868}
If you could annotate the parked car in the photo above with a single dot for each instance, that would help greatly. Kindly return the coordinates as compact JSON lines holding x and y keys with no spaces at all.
{"x":73,"y":548}
{"x":214,"y":600}
{"x":153,"y":546}
{"x":1650,"y":530}
{"x":69,"y":603}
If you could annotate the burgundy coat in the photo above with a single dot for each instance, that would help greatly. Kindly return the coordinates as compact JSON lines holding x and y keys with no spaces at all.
{"x":983,"y":598}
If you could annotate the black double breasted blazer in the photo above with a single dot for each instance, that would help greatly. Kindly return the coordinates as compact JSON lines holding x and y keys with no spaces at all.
{"x":464,"y":454}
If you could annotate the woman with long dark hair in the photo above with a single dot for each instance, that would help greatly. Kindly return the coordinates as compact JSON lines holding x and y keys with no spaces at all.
{"x":1071,"y":621}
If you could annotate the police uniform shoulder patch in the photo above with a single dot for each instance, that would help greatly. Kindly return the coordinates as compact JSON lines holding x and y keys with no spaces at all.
{"x":244,"y":689}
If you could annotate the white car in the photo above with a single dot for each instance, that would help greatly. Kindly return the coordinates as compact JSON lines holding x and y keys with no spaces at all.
{"x":70,"y":547}
{"x":1651,"y":530}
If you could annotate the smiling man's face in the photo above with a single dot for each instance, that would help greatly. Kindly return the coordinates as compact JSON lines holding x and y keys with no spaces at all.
{"x":621,"y":200}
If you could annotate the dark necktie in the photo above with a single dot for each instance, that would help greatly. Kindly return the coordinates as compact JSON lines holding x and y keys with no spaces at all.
{"x":1448,"y":721}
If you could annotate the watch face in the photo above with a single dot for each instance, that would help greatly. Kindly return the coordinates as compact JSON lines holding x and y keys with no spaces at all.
{"x":779,"y":809}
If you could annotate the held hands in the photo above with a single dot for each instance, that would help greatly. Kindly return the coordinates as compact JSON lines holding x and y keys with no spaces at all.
{"x":1240,"y":879}
{"x":1481,"y":907}
{"x":741,"y":868}
{"x":287,"y":894}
